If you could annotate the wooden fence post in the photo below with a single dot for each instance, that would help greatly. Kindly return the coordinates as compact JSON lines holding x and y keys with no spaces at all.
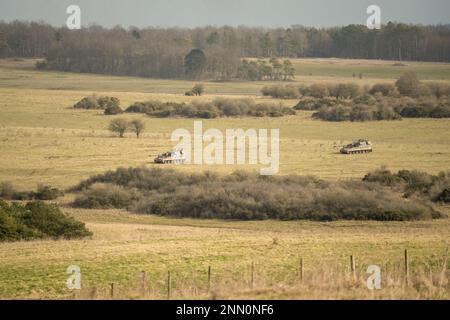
{"x":353,"y":266}
{"x":251,"y":274}
{"x":209,"y":278}
{"x":406,"y":268}
{"x":143,"y":278}
{"x":93,"y":293}
{"x":168,"y":284}
{"x":301,"y":269}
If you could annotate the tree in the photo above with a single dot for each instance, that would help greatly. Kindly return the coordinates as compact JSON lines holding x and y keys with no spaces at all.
{"x":137,"y":126}
{"x":277,"y":68}
{"x":288,"y":70}
{"x":118,"y":126}
{"x":194,"y":63}
{"x":198,"y":89}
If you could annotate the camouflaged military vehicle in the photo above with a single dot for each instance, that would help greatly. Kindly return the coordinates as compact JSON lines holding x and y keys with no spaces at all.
{"x":360,"y":146}
{"x":171,"y":157}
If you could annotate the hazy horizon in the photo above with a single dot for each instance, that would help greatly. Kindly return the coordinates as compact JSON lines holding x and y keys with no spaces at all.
{"x":251,"y":13}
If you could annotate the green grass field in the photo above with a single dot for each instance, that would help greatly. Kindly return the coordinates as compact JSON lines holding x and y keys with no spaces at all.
{"x":43,"y":140}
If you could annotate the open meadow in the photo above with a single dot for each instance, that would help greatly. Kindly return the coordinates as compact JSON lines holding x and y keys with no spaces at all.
{"x":43,"y":140}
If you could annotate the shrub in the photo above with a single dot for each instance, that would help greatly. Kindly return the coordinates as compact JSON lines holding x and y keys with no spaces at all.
{"x":357,"y":112}
{"x":36,"y":220}
{"x":383,"y":176}
{"x":412,"y":182}
{"x":408,"y":84}
{"x":281,"y":92}
{"x":385,"y":89}
{"x":108,"y":102}
{"x":87,"y":103}
{"x":303,"y":90}
{"x":101,"y":195}
{"x":347,"y":90}
{"x":337,"y":113}
{"x":365,"y":99}
{"x":438,"y":89}
{"x":113,"y":110}
{"x":422,"y":107}
{"x":8,"y":192}
{"x":444,"y":196}
{"x":11,"y":229}
{"x":315,"y":104}
{"x":51,"y":222}
{"x":47,"y":193}
{"x":92,"y":102}
{"x":319,"y":91}
{"x":386,"y":112}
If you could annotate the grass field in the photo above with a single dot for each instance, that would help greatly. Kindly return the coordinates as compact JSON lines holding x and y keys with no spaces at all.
{"x":124,"y":245}
{"x":44,"y":140}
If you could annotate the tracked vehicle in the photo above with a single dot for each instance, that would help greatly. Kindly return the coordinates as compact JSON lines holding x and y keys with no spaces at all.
{"x":359,"y":146}
{"x":171,"y":157}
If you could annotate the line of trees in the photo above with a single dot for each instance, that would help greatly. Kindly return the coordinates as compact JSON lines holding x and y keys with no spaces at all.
{"x":212,"y":52}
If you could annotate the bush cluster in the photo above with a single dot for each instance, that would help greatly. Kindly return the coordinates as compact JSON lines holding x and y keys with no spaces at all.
{"x":94,"y":102}
{"x":407,"y":98}
{"x":281,"y":92}
{"x":379,"y":107}
{"x":317,"y":90}
{"x":219,"y":107}
{"x":246,"y":196}
{"x":425,"y":107}
{"x":434,"y":187}
{"x":37,"y":220}
{"x":358,"y":112}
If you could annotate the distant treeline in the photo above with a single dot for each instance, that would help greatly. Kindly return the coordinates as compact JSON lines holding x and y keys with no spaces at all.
{"x":212,"y":52}
{"x":247,"y":196}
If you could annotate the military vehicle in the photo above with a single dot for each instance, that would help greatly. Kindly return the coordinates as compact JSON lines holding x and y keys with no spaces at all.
{"x":171,"y":157}
{"x":359,"y":146}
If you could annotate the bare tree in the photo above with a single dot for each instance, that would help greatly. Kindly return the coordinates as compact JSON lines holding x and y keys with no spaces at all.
{"x":118,"y":126}
{"x":137,"y":126}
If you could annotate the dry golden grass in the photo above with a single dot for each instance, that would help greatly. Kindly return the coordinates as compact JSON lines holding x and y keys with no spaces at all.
{"x":48,"y":142}
{"x":124,"y":244}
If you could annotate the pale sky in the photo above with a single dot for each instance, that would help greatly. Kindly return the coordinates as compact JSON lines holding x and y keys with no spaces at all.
{"x":193,"y":13}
